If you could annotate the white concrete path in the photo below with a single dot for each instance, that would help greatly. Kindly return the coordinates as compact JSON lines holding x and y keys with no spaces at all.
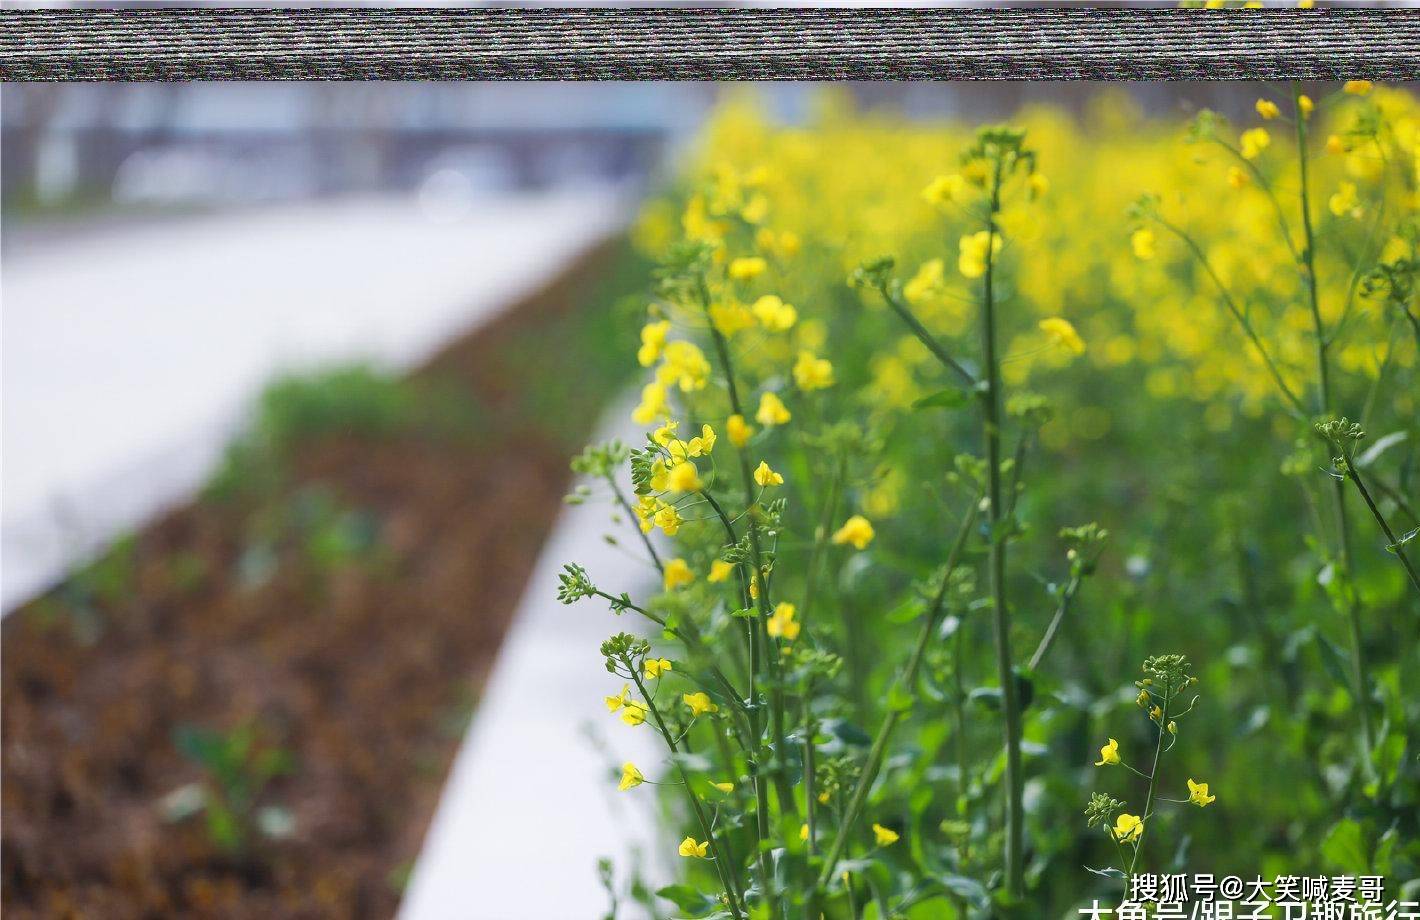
{"x":531,"y":802}
{"x":129,"y":359}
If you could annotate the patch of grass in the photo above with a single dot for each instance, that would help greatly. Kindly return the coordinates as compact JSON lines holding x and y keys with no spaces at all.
{"x":354,"y":400}
{"x":237,"y":767}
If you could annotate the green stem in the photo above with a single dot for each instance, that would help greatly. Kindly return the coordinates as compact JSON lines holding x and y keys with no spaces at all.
{"x":907,"y":682}
{"x":810,"y":803}
{"x":1323,"y":367}
{"x":925,"y":337}
{"x":1338,"y":492}
{"x":626,"y":506}
{"x":830,"y":508}
{"x":732,"y":894}
{"x":959,"y":706}
{"x":1399,"y":550}
{"x":1010,"y":706}
{"x":1293,"y":400}
{"x":1147,"y":816}
{"x":1048,"y":640}
{"x":759,"y":639}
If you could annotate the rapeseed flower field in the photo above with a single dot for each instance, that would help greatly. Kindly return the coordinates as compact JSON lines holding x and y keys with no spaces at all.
{"x":1033,"y":504}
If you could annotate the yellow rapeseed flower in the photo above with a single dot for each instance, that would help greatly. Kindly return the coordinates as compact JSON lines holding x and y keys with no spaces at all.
{"x":668,"y":519}
{"x":1335,"y":145}
{"x":653,"y":339}
{"x":756,"y":209}
{"x":812,"y":373}
{"x":684,"y":364}
{"x":975,"y":249}
{"x":1267,"y":109}
{"x":665,"y":434}
{"x":729,"y":318}
{"x":613,"y":703}
{"x":699,"y":703}
{"x":634,"y":713}
{"x":928,"y":281}
{"x":738,"y":431}
{"x":884,"y":837}
{"x":653,"y":404}
{"x":1357,"y":87}
{"x":772,"y":411}
{"x":784,"y":245}
{"x":1198,"y":794}
{"x":803,"y":832}
{"x":677,"y":573}
{"x":630,"y":777}
{"x":1109,"y":754}
{"x":703,"y":445}
{"x":1305,"y":105}
{"x":944,"y":190}
{"x":781,"y":624}
{"x":774,"y":314}
{"x":1236,"y":177}
{"x":1253,"y":141}
{"x":720,"y":570}
{"x":767,"y":477}
{"x":1128,"y":828}
{"x":683,"y":477}
{"x":660,"y":479}
{"x":747,"y":268}
{"x":857,"y":530}
{"x":655,"y":667}
{"x":645,"y":510}
{"x":1061,"y":332}
{"x":1142,"y":242}
{"x":1345,"y":203}
{"x":726,"y":788}
{"x":692,"y":850}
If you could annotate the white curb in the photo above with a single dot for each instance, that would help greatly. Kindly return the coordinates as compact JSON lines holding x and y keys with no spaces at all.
{"x":531,"y":802}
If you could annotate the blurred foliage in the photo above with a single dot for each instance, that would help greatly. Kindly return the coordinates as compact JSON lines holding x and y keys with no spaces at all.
{"x":354,"y":401}
{"x":238,"y":765}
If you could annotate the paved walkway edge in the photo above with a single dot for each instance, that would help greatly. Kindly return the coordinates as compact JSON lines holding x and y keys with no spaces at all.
{"x":531,"y":802}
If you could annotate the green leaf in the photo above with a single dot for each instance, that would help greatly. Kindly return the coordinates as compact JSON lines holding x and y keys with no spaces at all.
{"x":1394,"y":548}
{"x":943,"y":399}
{"x":906,"y":612}
{"x":1344,"y":847}
{"x":899,"y":699}
{"x":969,"y":889}
{"x":688,"y":899}
{"x":1334,"y":662}
{"x":989,"y":697}
{"x":847,"y":732}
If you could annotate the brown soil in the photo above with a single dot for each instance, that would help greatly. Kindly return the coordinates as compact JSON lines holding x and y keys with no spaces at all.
{"x":365,"y":673}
